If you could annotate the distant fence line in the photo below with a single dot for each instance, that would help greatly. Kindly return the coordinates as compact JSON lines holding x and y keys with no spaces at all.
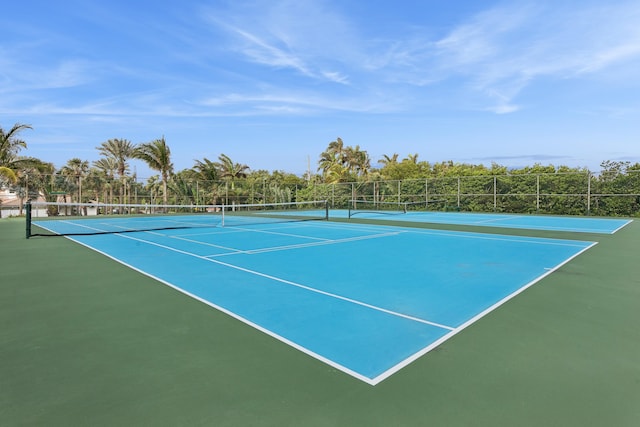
{"x":575,"y":194}
{"x":604,"y":194}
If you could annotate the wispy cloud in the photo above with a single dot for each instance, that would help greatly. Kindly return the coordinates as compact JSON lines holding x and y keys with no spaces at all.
{"x":292,"y":102}
{"x":503,"y":50}
{"x":492,"y":55}
{"x":262,"y":52}
{"x":278,"y":34}
{"x":20,"y":74}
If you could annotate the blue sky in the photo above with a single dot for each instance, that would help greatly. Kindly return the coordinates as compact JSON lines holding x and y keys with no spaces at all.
{"x":271,"y":83}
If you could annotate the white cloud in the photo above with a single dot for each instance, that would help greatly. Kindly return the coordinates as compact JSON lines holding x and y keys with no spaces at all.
{"x":292,"y":102}
{"x":303,"y":36}
{"x":262,"y":52}
{"x":505,"y":49}
{"x":336,"y":77}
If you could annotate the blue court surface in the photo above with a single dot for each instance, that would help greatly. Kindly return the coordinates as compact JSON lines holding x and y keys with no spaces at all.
{"x":365,"y":299}
{"x":529,"y":222}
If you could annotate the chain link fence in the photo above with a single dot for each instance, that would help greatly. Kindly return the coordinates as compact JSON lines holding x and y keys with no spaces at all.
{"x":560,"y":194}
{"x":604,"y":194}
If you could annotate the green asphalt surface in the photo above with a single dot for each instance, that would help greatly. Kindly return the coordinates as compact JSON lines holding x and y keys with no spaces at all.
{"x":86,"y":341}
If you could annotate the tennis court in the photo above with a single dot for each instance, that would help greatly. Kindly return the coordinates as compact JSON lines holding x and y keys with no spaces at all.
{"x":364,"y":299}
{"x":399,"y":212}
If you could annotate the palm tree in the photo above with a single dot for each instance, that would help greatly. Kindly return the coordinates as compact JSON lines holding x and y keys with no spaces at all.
{"x":328,"y":161}
{"x":231,"y":171}
{"x":412,"y":158}
{"x":153,"y":187}
{"x":108,"y":167}
{"x":182,"y":189}
{"x":208,"y":172}
{"x":33,"y":177}
{"x":76,"y":169}
{"x":8,"y":173}
{"x":10,"y":145}
{"x":336,"y":173}
{"x":339,"y":162}
{"x":95,"y":183}
{"x":120,"y":150}
{"x":332,"y":161}
{"x":337,"y":147}
{"x":157,"y":155}
{"x":357,"y":161}
{"x":388,"y":160}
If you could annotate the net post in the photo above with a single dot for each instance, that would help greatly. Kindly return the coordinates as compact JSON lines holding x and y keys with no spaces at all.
{"x":326,"y":210}
{"x":27,"y":207}
{"x":222,"y":210}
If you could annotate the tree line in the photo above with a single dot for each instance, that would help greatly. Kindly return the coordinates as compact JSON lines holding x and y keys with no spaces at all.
{"x":109,"y":179}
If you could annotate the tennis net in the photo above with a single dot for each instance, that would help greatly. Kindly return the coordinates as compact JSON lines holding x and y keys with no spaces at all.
{"x":359,"y":207}
{"x":74,"y":219}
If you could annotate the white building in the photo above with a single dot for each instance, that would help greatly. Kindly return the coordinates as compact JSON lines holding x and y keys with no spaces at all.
{"x":10,"y":204}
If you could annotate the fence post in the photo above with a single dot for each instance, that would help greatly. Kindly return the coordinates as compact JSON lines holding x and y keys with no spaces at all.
{"x":375,"y":194}
{"x":537,"y":193}
{"x":264,"y":191}
{"x":588,"y":193}
{"x":495,"y":193}
{"x":353,"y":193}
{"x":426,"y":193}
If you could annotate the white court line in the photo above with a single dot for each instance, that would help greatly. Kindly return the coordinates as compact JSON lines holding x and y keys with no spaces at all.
{"x":466,"y":234}
{"x":487,"y":221}
{"x":518,"y":239}
{"x":307,"y":245}
{"x":189,"y":223}
{"x":203,"y":243}
{"x":235,"y":251}
{"x":622,"y":226}
{"x":75,"y":224}
{"x":254,"y":230}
